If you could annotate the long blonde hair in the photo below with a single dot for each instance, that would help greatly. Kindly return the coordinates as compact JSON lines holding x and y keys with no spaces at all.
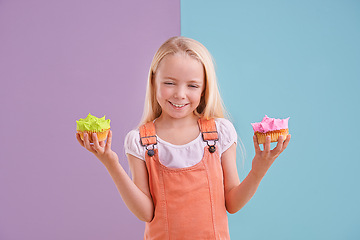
{"x":211,"y":104}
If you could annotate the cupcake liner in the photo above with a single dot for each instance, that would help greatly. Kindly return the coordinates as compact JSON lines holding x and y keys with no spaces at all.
{"x":261,"y":137}
{"x":100,"y":135}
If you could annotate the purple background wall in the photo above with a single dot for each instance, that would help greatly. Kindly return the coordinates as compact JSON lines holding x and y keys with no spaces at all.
{"x":60,"y":60}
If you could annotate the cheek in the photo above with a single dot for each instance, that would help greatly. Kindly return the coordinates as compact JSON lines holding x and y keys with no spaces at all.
{"x":163,"y":93}
{"x":197,"y":95}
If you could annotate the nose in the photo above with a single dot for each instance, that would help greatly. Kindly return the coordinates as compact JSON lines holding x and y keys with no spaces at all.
{"x":180,"y":92}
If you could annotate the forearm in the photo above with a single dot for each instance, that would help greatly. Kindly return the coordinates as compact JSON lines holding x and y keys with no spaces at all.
{"x":138,"y":202}
{"x":237,"y":197}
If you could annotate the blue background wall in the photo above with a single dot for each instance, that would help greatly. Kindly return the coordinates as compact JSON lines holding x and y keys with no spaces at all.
{"x":299,"y":59}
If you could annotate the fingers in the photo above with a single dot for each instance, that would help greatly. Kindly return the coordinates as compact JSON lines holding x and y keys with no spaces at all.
{"x":109,"y":140}
{"x":87,"y":144}
{"x":267,"y":146}
{"x":256,"y":144}
{"x":79,"y":139}
{"x":286,"y":142}
{"x":279,"y":146}
{"x":97,"y":146}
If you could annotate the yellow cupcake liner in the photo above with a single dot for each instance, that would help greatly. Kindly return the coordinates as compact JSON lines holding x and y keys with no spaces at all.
{"x":261,"y":137}
{"x":100,"y":135}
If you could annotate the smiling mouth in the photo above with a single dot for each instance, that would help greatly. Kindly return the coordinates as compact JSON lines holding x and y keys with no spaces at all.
{"x":178,"y":105}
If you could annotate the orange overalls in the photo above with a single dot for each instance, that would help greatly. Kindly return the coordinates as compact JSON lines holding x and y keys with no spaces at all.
{"x":189,"y":202}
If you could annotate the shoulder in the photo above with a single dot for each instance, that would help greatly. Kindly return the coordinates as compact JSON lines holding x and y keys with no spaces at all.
{"x":224,"y":125}
{"x":132,"y":144}
{"x":227,"y":133}
{"x":133,"y":135}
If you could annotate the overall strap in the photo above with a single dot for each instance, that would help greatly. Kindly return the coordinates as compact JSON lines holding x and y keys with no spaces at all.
{"x":147,"y":134}
{"x":208,"y":129}
{"x":209,"y":132}
{"x":148,"y":137}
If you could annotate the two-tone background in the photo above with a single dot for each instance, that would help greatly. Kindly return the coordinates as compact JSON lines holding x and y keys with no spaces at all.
{"x":60,"y":60}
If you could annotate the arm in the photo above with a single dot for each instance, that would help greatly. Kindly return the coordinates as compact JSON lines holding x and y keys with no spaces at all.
{"x":238,"y":194}
{"x":136,"y":193}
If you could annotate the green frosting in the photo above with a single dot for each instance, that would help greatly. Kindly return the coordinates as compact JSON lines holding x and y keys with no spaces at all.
{"x":92,"y":123}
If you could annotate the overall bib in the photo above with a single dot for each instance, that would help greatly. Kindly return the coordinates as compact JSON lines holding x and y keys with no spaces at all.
{"x":189,"y":202}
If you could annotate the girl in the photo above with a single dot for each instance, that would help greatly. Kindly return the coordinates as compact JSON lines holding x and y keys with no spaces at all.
{"x":183,"y":155}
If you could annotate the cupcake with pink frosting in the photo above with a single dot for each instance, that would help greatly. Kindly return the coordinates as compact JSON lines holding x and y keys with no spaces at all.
{"x":271,"y":127}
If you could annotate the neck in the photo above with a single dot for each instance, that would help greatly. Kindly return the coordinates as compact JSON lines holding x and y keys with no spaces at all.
{"x":169,"y":122}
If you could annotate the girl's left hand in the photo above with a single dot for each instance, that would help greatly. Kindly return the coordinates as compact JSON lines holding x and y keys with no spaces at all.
{"x":101,"y":149}
{"x":265,"y":158}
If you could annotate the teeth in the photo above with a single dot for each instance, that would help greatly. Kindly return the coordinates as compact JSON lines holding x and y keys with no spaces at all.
{"x":176,"y":105}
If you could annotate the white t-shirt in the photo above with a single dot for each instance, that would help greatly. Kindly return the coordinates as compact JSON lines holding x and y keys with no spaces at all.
{"x":187,"y":155}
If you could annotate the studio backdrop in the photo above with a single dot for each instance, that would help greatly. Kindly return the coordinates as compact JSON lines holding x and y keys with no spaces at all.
{"x":60,"y":60}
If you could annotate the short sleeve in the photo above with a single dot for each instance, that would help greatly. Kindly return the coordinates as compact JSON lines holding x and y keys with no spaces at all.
{"x":227,"y":134}
{"x":132,"y":144}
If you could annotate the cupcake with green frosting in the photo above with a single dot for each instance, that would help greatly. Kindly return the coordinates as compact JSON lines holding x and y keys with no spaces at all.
{"x":92,"y":124}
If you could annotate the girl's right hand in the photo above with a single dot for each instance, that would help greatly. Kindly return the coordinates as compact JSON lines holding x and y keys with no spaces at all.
{"x":265,"y":158}
{"x":101,"y":149}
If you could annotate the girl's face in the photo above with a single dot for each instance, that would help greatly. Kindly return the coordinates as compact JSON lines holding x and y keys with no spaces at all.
{"x":179,"y":83}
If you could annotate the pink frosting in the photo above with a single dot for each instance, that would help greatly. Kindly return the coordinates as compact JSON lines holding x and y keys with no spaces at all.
{"x":270,"y":124}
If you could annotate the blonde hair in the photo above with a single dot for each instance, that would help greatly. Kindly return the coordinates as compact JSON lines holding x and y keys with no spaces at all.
{"x":211,"y":104}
